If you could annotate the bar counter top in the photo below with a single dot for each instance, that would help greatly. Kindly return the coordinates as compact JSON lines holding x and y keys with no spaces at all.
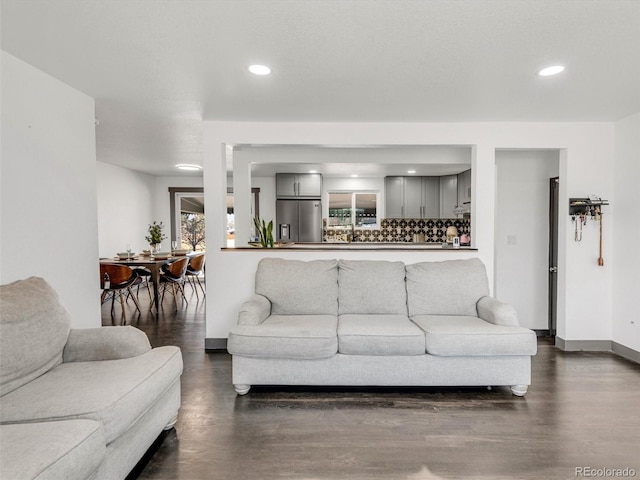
{"x":400,"y":246}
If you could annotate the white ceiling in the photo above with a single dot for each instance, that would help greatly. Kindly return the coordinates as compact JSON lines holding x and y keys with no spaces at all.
{"x":157,"y":68}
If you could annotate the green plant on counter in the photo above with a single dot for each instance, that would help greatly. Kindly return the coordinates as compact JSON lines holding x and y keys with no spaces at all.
{"x":265,"y":232}
{"x":155,"y":234}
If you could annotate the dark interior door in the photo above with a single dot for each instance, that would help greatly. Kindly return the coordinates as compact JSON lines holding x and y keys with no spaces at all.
{"x":554,"y":185}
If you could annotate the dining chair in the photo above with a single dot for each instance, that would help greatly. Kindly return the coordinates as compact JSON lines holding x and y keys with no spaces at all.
{"x":145,"y":275}
{"x":121,"y":278}
{"x":173,"y":274}
{"x":194,"y":270}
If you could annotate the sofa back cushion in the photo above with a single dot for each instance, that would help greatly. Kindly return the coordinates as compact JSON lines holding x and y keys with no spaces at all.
{"x":452,"y":287}
{"x":299,"y":288}
{"x":33,"y":331}
{"x":369,"y":286}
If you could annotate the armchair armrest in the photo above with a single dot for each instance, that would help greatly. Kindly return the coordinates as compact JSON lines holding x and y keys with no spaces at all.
{"x":496,"y":312}
{"x":254,"y":311}
{"x":105,"y":343}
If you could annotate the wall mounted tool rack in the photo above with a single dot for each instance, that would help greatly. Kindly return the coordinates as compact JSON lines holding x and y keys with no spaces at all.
{"x":580,"y":210}
{"x":586,"y":206}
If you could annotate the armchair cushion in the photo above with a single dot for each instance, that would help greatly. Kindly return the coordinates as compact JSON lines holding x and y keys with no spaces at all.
{"x":105,"y":343}
{"x":49,"y":450}
{"x":33,"y":331}
{"x":113,"y":392}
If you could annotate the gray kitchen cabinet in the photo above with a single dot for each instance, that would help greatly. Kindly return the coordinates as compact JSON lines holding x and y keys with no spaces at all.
{"x":393,"y":194}
{"x":464,"y":187}
{"x":448,"y":195}
{"x":296,"y":185}
{"x":412,"y":197}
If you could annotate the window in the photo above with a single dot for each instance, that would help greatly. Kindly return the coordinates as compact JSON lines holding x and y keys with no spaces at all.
{"x":353,"y":208}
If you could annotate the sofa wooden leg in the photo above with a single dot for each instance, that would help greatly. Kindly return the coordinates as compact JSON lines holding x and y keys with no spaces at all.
{"x":519,"y":390}
{"x":242,"y":389}
{"x":172,"y":422}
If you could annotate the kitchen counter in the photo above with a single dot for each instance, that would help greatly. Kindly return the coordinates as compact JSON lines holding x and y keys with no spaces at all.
{"x":400,"y":246}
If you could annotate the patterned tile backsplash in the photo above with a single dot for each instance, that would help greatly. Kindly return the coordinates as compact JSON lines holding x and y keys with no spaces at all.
{"x":399,"y":230}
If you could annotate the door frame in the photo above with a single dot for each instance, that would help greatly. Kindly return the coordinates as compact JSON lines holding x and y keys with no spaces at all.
{"x":554,"y":200}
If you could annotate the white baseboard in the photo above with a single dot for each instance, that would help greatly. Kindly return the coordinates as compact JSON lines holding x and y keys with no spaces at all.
{"x":598,"y":346}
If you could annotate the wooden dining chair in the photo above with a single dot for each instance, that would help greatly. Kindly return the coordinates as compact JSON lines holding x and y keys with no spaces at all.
{"x":173,"y":274}
{"x":121,"y":278}
{"x":194,"y":270}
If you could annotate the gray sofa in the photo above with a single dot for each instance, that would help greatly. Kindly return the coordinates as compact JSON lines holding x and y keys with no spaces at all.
{"x":366,"y":323}
{"x":77,"y":404}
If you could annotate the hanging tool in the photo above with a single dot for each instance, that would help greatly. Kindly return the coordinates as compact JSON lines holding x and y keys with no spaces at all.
{"x":600,"y":259}
{"x":578,"y":232}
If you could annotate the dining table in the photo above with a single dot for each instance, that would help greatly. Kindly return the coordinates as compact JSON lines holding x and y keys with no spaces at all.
{"x":151,"y":263}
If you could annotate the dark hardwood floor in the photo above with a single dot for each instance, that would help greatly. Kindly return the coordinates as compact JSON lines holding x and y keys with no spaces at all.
{"x":582,"y":411}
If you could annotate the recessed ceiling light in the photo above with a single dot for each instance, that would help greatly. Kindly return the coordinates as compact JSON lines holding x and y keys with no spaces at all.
{"x":554,"y":70}
{"x":189,"y":167}
{"x":259,"y":69}
{"x":411,"y":171}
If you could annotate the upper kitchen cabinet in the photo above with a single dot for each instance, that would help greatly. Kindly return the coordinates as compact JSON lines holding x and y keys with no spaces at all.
{"x":412,"y":197}
{"x":448,"y":195}
{"x":464,"y":187}
{"x":393,"y":194}
{"x":297,"y":185}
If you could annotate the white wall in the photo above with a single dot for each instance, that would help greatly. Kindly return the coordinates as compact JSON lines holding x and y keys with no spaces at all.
{"x":126,"y":201}
{"x":48,"y":196}
{"x":626,"y":261}
{"x":522,"y":232}
{"x":586,"y":152}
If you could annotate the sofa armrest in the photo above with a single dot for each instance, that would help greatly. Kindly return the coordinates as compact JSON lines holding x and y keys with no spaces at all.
{"x":496,"y":312}
{"x":105,"y":343}
{"x":254,"y":311}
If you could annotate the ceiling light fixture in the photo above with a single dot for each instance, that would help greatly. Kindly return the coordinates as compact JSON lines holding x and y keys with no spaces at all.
{"x":189,"y":167}
{"x":554,"y":70}
{"x":259,"y":69}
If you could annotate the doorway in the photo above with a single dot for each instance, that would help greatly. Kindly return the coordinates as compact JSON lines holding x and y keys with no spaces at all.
{"x":187,"y":218}
{"x":522,"y":233}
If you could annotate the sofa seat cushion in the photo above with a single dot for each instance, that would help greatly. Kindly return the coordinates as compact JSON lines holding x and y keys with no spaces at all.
{"x":371,"y":286}
{"x":379,"y":335}
{"x":464,"y":336}
{"x":287,"y":336}
{"x":115,"y":393}
{"x":71,"y":449}
{"x":299,"y":288}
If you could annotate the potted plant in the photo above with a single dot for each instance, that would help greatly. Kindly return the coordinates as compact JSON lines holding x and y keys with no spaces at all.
{"x":264,"y":231}
{"x":155,"y":237}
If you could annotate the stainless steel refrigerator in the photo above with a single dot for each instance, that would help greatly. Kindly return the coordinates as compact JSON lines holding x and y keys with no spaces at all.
{"x":299,"y":221}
